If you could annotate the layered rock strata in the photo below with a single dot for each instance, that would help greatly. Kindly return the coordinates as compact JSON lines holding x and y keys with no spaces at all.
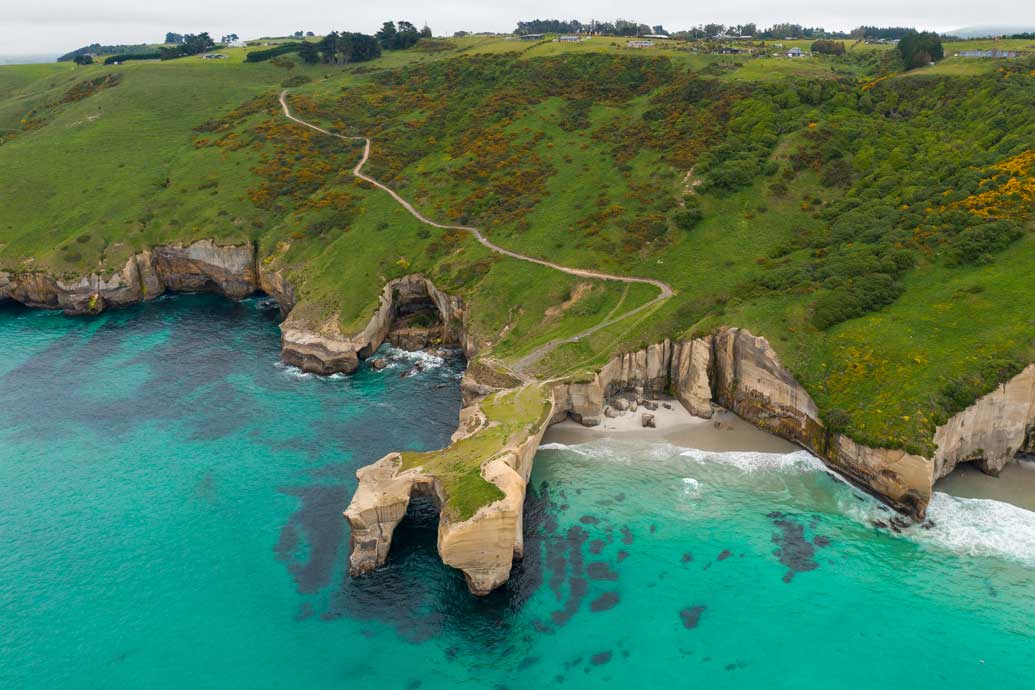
{"x":234,"y":271}
{"x":742,"y":372}
{"x":201,"y":266}
{"x":325,"y":349}
{"x":993,"y":430}
{"x":482,"y":546}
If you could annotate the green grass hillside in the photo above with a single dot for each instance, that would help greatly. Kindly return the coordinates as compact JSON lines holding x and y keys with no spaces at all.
{"x":876,"y":227}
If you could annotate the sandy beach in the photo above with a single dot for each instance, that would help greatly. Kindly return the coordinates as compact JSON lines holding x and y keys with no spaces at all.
{"x":724,"y":432}
{"x":1015,"y":485}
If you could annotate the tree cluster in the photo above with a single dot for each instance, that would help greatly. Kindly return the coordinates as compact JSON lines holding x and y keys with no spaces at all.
{"x":619,"y":27}
{"x":887,"y":33}
{"x":918,"y":49}
{"x":400,"y":36}
{"x":193,"y":44}
{"x":828,"y":47}
{"x":340,"y":49}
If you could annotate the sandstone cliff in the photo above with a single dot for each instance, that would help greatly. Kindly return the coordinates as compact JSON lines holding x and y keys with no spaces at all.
{"x":992,"y":430}
{"x":742,"y":373}
{"x":201,"y":266}
{"x":325,"y":349}
{"x":234,"y":270}
{"x":483,"y":545}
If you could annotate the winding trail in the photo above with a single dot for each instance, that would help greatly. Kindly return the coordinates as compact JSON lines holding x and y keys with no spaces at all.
{"x":665,"y":291}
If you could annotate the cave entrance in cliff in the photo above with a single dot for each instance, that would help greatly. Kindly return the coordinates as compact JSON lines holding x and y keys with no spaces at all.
{"x":417,"y":320}
{"x":416,"y":535}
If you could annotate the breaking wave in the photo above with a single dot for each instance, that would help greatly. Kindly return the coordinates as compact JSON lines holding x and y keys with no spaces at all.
{"x":799,"y":461}
{"x":965,"y":526}
{"x":397,"y":355}
{"x":981,"y":527}
{"x":562,"y":446}
{"x":293,"y":371}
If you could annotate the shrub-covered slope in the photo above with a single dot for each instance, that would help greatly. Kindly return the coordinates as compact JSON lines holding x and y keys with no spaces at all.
{"x":876,"y":228}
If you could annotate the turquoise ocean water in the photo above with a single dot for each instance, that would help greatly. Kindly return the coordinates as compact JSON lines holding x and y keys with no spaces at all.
{"x":170,"y":517}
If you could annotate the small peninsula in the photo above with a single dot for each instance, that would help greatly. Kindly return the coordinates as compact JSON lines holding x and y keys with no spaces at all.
{"x":835,"y":248}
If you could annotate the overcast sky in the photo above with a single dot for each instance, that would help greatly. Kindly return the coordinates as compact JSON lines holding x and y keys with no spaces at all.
{"x":56,"y":26}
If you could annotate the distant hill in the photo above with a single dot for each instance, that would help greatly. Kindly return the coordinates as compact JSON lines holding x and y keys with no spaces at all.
{"x":98,"y":49}
{"x":989,"y":31}
{"x":26,"y":59}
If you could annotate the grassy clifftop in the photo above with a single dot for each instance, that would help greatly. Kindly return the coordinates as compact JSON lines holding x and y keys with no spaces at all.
{"x":876,"y":228}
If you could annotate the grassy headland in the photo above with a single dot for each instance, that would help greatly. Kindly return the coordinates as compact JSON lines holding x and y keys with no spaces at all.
{"x":874,"y":225}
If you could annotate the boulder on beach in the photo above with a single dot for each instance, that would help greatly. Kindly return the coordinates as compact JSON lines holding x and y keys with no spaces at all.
{"x":647,"y":420}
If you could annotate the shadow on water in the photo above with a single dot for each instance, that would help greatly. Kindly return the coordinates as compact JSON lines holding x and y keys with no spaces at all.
{"x":414,"y":592}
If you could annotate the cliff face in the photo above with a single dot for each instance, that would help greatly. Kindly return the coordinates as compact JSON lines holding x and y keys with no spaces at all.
{"x":235,"y":271}
{"x":742,"y":373}
{"x":482,"y":546}
{"x":748,"y":379}
{"x":992,"y":430}
{"x":202,"y":266}
{"x":326,"y":350}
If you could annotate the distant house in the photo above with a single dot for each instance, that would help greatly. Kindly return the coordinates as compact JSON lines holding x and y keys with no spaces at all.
{"x":569,"y":39}
{"x":795,"y":53}
{"x":639,"y":44}
{"x":728,"y":50}
{"x":987,"y":54}
{"x":237,"y":44}
{"x":660,"y":37}
{"x":532,"y":37}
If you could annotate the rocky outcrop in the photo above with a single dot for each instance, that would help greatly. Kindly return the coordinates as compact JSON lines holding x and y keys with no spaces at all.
{"x":992,"y":431}
{"x":377,"y":507}
{"x":204,"y":266}
{"x":741,"y":372}
{"x":201,"y":266}
{"x":325,"y":349}
{"x":749,"y":379}
{"x":482,"y":546}
{"x":645,"y":371}
{"x":311,"y":344}
{"x":689,"y":375}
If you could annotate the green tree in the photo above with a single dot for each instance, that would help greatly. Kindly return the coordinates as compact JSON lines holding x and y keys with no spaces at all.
{"x":386,"y":35}
{"x":309,"y":52}
{"x":918,"y":49}
{"x":83,"y":59}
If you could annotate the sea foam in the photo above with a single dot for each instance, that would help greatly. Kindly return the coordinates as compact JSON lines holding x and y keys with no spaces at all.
{"x":979,"y":527}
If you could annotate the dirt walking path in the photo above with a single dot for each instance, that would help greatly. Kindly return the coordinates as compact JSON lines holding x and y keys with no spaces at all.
{"x":665,"y":290}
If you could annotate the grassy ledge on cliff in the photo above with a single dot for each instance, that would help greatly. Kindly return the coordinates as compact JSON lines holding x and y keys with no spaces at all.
{"x":508,"y":418}
{"x":875,"y":227}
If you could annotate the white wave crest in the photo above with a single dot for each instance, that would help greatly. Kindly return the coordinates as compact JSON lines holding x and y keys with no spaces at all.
{"x":293,"y":372}
{"x":800,"y":461}
{"x":561,"y":446}
{"x":691,"y":487}
{"x":980,"y":527}
{"x":426,"y":359}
